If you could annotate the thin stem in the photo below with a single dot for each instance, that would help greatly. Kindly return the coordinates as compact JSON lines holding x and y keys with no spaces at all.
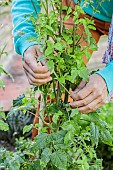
{"x":61,"y":23}
{"x":66,"y":94}
{"x":73,"y":38}
{"x":54,"y":89}
{"x":47,"y":12}
{"x":58,"y":94}
{"x":61,"y":83}
{"x":34,"y":7}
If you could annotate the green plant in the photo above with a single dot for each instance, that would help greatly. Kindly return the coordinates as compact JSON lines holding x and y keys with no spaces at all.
{"x":5,"y":2}
{"x":3,"y":125}
{"x":72,"y":136}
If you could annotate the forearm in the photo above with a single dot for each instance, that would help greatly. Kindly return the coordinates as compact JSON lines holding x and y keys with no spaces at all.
{"x":22,"y":27}
{"x":107,"y":75}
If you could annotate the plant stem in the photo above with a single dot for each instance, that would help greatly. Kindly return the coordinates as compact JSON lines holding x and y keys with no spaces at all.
{"x":54,"y":89}
{"x":34,"y":7}
{"x":61,"y":83}
{"x":58,"y":94}
{"x":73,"y":39}
{"x":61,"y":23}
{"x":66,"y":93}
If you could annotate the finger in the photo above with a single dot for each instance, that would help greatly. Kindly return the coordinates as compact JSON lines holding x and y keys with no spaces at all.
{"x":88,"y":111}
{"x":43,"y":63}
{"x":37,"y":81}
{"x":94,"y":105}
{"x":86,"y":101}
{"x":36,"y":75}
{"x":35,"y":67}
{"x":83,"y":93}
{"x":30,"y":80}
{"x":80,"y":86}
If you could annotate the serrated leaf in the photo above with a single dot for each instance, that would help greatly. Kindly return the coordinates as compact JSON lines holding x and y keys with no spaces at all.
{"x":94,"y":130}
{"x":45,"y":156}
{"x":14,"y":164}
{"x":27,"y":128}
{"x":106,"y":137}
{"x":41,"y":140}
{"x":59,"y":159}
{"x":69,"y":137}
{"x":94,"y":117}
{"x":74,"y":112}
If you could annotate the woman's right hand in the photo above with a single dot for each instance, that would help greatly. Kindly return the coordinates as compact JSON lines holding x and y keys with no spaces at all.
{"x":37,"y":73}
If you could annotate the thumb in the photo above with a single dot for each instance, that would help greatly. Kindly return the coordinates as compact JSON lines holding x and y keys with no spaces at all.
{"x":30,"y":58}
{"x":80,"y":86}
{"x":40,"y":54}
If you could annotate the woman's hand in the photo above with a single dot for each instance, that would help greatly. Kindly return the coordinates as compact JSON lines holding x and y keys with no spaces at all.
{"x":90,"y":96}
{"x":37,"y":73}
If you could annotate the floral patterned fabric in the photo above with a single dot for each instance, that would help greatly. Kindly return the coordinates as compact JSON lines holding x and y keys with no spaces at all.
{"x":108,"y":56}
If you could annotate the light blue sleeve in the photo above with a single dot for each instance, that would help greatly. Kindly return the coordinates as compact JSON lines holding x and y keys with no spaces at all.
{"x":21,"y":11}
{"x":107,"y":75}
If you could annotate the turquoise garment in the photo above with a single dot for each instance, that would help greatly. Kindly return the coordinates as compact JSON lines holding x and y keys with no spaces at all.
{"x":22,"y":28}
{"x":22,"y":8}
{"x":106,"y":9}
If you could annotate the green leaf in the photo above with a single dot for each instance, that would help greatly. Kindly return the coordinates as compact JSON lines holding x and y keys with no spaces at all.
{"x":3,"y":126}
{"x":41,"y":140}
{"x":48,"y":51}
{"x":74,"y":73}
{"x":94,"y":130}
{"x":2,"y":115}
{"x":27,"y":128}
{"x":106,"y":137}
{"x":14,"y":164}
{"x":69,"y":136}
{"x":45,"y":156}
{"x":41,"y":58}
{"x":61,"y":79}
{"x":58,"y":46}
{"x":83,"y":73}
{"x":50,"y":65}
{"x":94,"y":117}
{"x":65,"y":36}
{"x":2,"y":85}
{"x":56,"y":116}
{"x":69,"y":10}
{"x":49,"y":28}
{"x":74,"y":112}
{"x":69,"y":42}
{"x":59,"y":159}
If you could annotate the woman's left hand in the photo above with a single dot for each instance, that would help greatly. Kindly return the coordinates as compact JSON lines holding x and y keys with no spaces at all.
{"x":88,"y":97}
